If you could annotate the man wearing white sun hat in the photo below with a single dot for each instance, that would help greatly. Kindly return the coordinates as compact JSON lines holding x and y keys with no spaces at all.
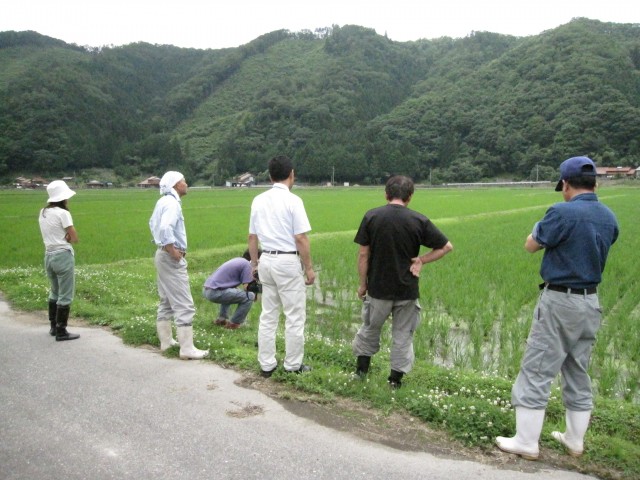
{"x":170,"y":236}
{"x":58,"y":233}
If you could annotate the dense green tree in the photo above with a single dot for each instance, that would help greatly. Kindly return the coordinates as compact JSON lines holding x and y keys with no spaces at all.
{"x":341,"y":100}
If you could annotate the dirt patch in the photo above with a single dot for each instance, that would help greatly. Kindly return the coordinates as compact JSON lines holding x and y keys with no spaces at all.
{"x":246,"y":410}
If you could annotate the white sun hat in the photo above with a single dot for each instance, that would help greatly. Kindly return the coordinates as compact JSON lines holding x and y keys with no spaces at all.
{"x":58,"y":191}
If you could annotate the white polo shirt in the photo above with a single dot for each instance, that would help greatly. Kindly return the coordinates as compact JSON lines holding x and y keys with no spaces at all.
{"x":276,"y":216}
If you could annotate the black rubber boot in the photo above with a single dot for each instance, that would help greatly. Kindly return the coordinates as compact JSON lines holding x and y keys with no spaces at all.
{"x":61,"y":324}
{"x":395,"y":379}
{"x":53,"y":309}
{"x":362,"y":365}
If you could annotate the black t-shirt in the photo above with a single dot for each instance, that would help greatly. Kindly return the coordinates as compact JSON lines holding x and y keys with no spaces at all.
{"x":394,"y":234}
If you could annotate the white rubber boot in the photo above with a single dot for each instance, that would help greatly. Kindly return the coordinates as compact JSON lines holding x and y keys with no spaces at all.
{"x":528,"y":428}
{"x":165,"y":334}
{"x":187,"y":350}
{"x":573,"y":438}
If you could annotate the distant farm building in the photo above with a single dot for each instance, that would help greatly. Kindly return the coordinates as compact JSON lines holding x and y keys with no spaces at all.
{"x":22,"y":182}
{"x":97,"y":184}
{"x":35,"y":182}
{"x":617,"y":172}
{"x":245,"y":180}
{"x":151,"y":182}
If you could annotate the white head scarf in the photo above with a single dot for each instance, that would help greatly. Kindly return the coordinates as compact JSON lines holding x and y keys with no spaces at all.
{"x":168,"y":181}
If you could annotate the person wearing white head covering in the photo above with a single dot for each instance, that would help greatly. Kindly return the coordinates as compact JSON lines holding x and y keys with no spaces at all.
{"x":58,"y":233}
{"x":170,"y":236}
{"x":168,"y":181}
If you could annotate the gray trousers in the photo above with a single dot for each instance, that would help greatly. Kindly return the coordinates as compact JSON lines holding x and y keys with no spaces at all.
{"x":174,"y":290}
{"x":561,"y":340}
{"x":60,"y":268}
{"x":405,"y":316}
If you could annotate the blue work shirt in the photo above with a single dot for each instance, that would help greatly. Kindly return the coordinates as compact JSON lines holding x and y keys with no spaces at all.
{"x":576,"y":236}
{"x":167,"y":223}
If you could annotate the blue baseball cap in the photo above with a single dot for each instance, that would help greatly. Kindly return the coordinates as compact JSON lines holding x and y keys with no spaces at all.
{"x":576,"y":167}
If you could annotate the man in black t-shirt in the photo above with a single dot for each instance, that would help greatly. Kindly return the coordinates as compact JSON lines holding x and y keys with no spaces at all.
{"x":389,"y":267}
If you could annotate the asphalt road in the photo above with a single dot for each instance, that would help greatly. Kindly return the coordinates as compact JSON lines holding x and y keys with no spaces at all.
{"x":96,"y":409}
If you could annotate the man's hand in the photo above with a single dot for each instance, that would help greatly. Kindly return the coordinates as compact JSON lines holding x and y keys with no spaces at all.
{"x":310,"y":276}
{"x":416,"y":266}
{"x":362,"y":292}
{"x":173,"y":252}
{"x":432,"y":256}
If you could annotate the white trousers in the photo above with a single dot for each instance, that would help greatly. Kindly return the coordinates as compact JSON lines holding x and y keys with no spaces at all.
{"x":282,"y":288}
{"x":174,"y":290}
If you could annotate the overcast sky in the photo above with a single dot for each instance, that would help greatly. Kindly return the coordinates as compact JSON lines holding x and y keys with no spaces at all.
{"x":230,"y":23}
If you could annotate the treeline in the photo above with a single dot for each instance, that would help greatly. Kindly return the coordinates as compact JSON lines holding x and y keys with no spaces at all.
{"x":342,"y":100}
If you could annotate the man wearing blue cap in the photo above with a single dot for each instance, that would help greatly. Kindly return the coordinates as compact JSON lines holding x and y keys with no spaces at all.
{"x":576,"y":236}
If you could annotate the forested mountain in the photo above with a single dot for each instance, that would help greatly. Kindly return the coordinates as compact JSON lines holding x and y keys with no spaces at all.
{"x":341,"y":99}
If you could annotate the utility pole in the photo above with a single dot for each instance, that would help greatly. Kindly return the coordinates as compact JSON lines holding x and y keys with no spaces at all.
{"x":333,"y":172}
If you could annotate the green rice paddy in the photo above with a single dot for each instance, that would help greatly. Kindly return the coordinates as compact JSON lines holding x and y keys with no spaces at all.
{"x":477,"y":302}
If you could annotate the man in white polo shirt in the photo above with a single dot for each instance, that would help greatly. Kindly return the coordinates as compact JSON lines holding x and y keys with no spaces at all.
{"x":279,"y":223}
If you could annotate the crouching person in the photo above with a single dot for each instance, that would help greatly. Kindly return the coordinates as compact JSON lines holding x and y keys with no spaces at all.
{"x":222,"y":287}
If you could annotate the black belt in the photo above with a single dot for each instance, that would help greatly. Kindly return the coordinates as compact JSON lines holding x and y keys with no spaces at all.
{"x":577,"y":291}
{"x":278,"y":252}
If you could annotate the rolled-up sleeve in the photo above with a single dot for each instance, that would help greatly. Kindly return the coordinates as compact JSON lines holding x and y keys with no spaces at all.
{"x":551,"y":230}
